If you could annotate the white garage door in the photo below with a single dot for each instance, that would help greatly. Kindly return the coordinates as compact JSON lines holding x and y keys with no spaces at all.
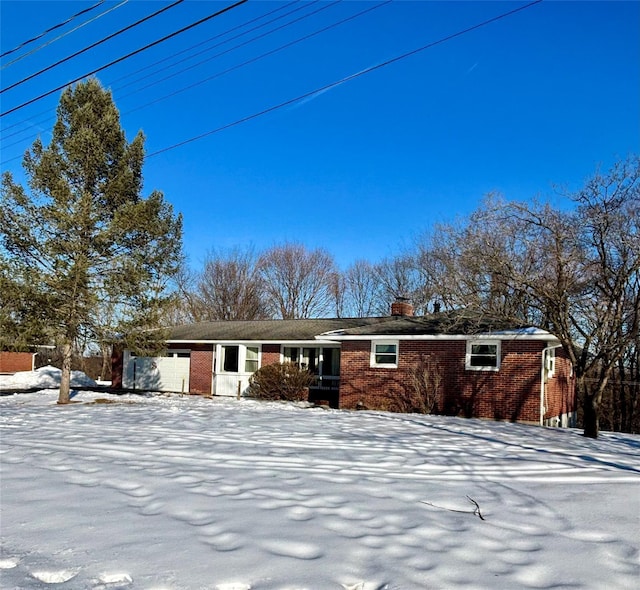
{"x":160,"y":373}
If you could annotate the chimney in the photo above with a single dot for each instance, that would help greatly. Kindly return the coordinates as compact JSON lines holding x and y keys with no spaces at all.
{"x":401,"y":307}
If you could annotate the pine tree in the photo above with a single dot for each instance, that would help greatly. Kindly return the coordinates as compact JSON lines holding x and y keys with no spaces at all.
{"x":82,"y":238}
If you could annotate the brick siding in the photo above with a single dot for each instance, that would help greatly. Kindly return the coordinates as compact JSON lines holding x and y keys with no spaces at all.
{"x":512,"y":393}
{"x":201,"y":369}
{"x":270,"y":354}
{"x":13,"y":362}
{"x":560,"y":398}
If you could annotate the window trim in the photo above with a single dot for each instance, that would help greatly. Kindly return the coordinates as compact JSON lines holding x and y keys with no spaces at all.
{"x":482,"y":341}
{"x":376,"y":343}
{"x":219,"y":358}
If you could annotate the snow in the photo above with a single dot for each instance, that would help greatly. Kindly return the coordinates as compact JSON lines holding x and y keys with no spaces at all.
{"x":43,"y":378}
{"x":164,"y":492}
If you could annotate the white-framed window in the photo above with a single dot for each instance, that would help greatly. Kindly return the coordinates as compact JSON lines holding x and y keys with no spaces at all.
{"x":315,"y":359}
{"x":237,"y":358}
{"x":550,"y":362}
{"x":252,"y":359}
{"x":384,"y":353}
{"x":483,"y":355}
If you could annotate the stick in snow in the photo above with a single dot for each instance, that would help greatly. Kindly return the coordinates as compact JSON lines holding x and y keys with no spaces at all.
{"x":475,"y":512}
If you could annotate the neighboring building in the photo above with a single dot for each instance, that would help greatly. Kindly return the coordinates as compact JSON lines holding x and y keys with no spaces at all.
{"x":14,"y":362}
{"x":484,"y":369}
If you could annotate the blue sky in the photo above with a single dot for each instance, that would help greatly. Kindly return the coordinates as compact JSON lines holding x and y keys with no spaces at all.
{"x":535,"y":100}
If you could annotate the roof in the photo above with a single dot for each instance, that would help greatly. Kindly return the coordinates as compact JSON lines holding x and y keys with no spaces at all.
{"x":445,"y":323}
{"x":265,"y":330}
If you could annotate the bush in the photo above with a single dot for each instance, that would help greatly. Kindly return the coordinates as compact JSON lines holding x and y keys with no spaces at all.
{"x":281,"y":381}
{"x":423,"y":388}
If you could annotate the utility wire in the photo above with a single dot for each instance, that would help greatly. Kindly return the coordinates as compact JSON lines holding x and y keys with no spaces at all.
{"x":140,"y":50}
{"x":53,"y":28}
{"x":259,"y":57}
{"x":323,"y":6}
{"x":257,"y":18}
{"x":48,"y":111}
{"x":213,"y":77}
{"x":81,"y":51}
{"x":346,"y":79}
{"x":95,"y":18}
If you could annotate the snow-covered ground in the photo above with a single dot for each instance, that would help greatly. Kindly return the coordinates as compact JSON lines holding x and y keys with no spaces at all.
{"x":171,"y":492}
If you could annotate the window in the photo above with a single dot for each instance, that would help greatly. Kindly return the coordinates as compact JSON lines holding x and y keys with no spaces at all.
{"x":483,"y":355}
{"x":309,"y":360}
{"x":251,"y":360}
{"x":230,"y":359}
{"x":291,"y":354}
{"x":331,"y":361}
{"x":550,"y":362}
{"x":384,"y":354}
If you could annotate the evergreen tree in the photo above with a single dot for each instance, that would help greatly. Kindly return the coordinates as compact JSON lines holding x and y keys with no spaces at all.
{"x":82,"y":238}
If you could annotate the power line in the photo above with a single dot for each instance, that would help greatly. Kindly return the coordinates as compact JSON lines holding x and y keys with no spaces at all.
{"x":346,"y":79}
{"x":140,"y":50}
{"x":109,"y":37}
{"x":123,"y":77}
{"x":259,"y":57}
{"x":324,"y":6}
{"x":48,"y":111}
{"x":53,"y":28}
{"x":95,"y":18}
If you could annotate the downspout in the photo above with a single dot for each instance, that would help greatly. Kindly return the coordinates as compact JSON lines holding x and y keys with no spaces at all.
{"x":213,"y":370}
{"x":542,"y":379}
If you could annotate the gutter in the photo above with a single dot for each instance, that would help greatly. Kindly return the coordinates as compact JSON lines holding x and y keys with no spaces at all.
{"x":542,"y":379}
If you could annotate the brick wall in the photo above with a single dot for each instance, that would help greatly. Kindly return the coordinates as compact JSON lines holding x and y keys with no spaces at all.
{"x":270,"y":354}
{"x":512,"y":393}
{"x":560,"y":396}
{"x":12,"y":362}
{"x":201,"y":369}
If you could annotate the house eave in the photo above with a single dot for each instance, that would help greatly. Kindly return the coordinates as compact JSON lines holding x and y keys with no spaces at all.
{"x":317,"y":340}
{"x":542,"y":337}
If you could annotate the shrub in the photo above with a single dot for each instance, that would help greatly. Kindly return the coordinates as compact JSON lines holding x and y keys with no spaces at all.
{"x":422,"y":392}
{"x":280,"y":381}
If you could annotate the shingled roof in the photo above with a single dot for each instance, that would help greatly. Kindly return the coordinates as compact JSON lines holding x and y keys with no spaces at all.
{"x":450,"y":323}
{"x":445,"y":323}
{"x":266,"y":330}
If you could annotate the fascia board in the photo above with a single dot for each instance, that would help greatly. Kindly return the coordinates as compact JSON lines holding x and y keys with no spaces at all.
{"x":546,"y":337}
{"x":253,"y":342}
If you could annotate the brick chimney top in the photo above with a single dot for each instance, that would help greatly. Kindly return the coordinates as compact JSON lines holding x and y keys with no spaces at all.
{"x":401,"y":307}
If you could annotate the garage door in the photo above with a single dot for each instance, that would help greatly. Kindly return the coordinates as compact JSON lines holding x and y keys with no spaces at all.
{"x":161,"y":373}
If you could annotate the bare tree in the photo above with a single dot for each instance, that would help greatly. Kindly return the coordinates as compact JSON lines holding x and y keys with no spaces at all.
{"x":230,"y":287}
{"x":399,"y":277}
{"x":573,"y":272}
{"x":362,"y":288}
{"x":465,"y":264}
{"x":338,"y":288}
{"x":186,"y":306}
{"x":298,"y":282}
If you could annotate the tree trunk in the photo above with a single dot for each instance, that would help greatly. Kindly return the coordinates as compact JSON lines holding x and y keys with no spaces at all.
{"x":106,"y":361}
{"x":591,"y":418}
{"x":65,"y":379}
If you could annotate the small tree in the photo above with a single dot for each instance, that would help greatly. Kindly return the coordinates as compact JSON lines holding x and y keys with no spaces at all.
{"x":280,"y":381}
{"x":82,"y":239}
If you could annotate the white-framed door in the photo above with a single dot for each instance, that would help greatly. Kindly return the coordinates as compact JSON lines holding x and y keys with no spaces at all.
{"x":234,"y":364}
